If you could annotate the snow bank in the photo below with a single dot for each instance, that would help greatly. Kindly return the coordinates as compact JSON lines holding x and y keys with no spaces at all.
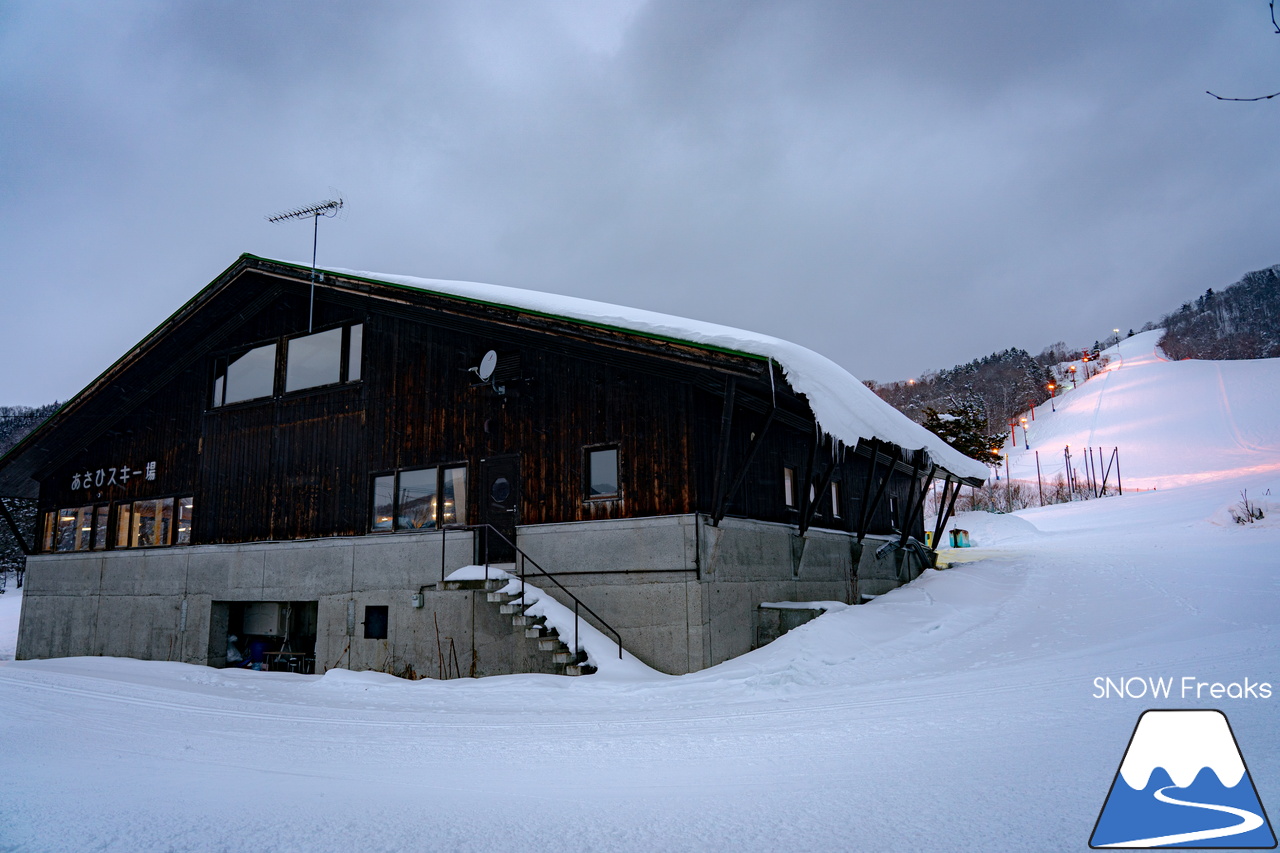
{"x":989,"y":529}
{"x":845,"y":407}
{"x":828,"y":606}
{"x":10,"y":613}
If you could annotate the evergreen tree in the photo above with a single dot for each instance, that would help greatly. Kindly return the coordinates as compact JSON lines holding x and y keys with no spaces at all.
{"x":965,"y":428}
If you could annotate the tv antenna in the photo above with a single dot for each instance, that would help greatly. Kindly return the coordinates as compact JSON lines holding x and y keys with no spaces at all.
{"x":328,"y":207}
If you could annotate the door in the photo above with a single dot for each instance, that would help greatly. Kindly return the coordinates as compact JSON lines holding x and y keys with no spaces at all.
{"x":500,"y":507}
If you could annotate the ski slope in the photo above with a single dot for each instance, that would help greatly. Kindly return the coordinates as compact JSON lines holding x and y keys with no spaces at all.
{"x":957,"y":713}
{"x":1175,"y":422}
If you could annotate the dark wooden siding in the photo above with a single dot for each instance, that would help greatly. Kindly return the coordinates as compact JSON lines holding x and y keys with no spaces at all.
{"x":302,"y":465}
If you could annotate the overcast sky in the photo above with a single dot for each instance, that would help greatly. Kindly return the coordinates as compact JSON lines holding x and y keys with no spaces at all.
{"x":901,"y":186}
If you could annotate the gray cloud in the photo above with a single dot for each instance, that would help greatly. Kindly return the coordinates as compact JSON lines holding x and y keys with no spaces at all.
{"x":899,"y":186}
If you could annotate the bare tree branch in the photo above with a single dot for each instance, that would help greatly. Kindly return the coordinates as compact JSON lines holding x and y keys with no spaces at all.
{"x":1262,"y":98}
{"x":1272,"y":4}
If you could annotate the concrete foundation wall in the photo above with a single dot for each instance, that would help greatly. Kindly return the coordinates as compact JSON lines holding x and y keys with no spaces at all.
{"x":684,"y":595}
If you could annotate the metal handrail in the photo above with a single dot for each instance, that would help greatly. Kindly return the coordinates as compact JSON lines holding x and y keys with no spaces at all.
{"x":525,"y":558}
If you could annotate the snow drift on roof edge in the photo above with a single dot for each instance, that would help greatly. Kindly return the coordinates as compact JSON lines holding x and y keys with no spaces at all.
{"x":845,"y":407}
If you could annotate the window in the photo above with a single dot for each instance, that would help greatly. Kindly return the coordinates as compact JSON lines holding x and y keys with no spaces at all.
{"x":313,"y":360}
{"x":836,"y":510}
{"x":154,"y":523}
{"x":355,"y":345}
{"x":375,"y":622}
{"x":74,"y":529}
{"x":246,"y":376}
{"x":893,"y":513}
{"x":101,"y":514}
{"x":384,"y":502}
{"x":416,"y":499}
{"x":789,"y":486}
{"x":81,"y":528}
{"x":183,"y":534}
{"x":453,"y":496}
{"x":123,"y":511}
{"x":419,"y":499}
{"x":602,"y":474}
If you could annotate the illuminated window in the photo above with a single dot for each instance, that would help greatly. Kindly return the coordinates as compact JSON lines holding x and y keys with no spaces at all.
{"x":182,"y":536}
{"x":101,"y":514}
{"x":836,"y":510}
{"x":154,"y":523}
{"x":419,"y":499}
{"x":74,"y":529}
{"x":789,"y":486}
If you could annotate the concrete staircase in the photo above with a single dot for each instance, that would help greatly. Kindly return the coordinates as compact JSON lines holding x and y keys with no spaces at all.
{"x":527,"y":627}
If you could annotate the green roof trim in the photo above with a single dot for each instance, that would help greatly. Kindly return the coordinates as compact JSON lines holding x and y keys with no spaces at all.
{"x":531,"y":311}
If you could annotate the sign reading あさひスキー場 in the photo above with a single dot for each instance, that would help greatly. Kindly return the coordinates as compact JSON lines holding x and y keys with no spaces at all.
{"x":118,"y":476}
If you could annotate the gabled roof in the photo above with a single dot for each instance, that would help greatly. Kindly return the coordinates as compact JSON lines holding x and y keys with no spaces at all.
{"x":843,"y":406}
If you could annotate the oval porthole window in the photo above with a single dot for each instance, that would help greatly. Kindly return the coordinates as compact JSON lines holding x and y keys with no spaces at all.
{"x":500,"y":491}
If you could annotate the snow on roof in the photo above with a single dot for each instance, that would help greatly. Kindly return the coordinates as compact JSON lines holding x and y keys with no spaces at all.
{"x":845,"y":408}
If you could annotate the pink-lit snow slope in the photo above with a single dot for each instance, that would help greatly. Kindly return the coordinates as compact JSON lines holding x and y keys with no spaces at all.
{"x":1175,"y":422}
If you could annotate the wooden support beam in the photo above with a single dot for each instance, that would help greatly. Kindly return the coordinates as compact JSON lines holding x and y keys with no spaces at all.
{"x":807,"y":485}
{"x":726,"y":425}
{"x":752,"y":449}
{"x":917,"y":506}
{"x":869,"y":511}
{"x":820,"y":491}
{"x":860,"y":525}
{"x":15,"y":529}
{"x":942,"y":506}
{"x":945,"y":515}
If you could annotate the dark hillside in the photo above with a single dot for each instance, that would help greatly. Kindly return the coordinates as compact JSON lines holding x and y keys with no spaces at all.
{"x":15,"y":423}
{"x":1242,"y":321}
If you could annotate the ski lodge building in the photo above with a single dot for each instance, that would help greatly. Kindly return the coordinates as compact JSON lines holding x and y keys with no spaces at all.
{"x":300,"y":465}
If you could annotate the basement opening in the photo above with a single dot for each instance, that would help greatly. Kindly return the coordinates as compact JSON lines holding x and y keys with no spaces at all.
{"x":275,"y":636}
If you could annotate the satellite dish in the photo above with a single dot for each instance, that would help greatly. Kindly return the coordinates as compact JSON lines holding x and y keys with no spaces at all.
{"x":487,"y":364}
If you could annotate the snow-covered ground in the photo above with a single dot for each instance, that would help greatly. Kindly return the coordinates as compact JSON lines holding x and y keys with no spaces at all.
{"x":958,"y":713}
{"x":10,"y":610}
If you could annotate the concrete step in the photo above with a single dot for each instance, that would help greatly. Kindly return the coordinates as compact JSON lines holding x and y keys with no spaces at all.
{"x":579,"y":669}
{"x":491,"y":585}
{"x":498,"y":597}
{"x":464,"y":585}
{"x":565,"y":656}
{"x":512,"y":607}
{"x":550,"y":643}
{"x":534,"y":632}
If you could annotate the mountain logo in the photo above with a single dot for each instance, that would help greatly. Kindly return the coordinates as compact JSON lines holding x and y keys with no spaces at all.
{"x":1183,"y":783}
